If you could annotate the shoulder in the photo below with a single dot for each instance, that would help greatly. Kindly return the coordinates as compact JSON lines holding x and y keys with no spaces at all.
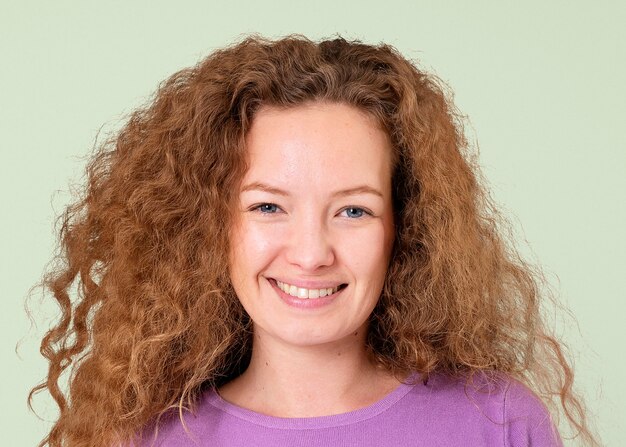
{"x":500,"y":404}
{"x":527,"y":420}
{"x":185,"y":427}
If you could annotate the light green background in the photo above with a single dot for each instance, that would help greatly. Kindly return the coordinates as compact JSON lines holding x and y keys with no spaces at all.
{"x":541,"y":81}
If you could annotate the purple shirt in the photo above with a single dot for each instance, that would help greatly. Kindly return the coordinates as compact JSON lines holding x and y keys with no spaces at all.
{"x":441,"y":413}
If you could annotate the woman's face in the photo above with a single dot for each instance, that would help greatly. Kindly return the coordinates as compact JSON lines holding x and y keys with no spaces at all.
{"x":314,"y":228}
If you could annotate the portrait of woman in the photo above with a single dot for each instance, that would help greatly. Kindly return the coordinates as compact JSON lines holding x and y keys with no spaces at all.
{"x":291,"y":245}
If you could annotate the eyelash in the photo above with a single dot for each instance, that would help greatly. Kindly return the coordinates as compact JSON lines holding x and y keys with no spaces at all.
{"x":366,"y":212}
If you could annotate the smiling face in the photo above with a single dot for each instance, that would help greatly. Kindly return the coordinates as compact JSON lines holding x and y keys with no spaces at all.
{"x":314,"y":226}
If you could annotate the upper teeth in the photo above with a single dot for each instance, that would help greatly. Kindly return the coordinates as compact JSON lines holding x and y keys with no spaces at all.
{"x":305,"y":293}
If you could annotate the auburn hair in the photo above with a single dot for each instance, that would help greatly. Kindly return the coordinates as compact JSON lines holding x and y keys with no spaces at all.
{"x":149,"y":317}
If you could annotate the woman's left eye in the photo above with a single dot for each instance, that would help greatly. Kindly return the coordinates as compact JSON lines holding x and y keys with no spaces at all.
{"x":354,"y":212}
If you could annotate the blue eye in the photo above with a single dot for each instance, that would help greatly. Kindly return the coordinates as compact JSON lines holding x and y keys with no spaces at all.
{"x":355,"y":212}
{"x":266,"y":208}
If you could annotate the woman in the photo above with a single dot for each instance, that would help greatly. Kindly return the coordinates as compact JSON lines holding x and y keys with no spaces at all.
{"x":290,"y":246}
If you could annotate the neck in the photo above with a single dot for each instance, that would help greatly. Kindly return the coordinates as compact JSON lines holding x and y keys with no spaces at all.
{"x":305,"y":381}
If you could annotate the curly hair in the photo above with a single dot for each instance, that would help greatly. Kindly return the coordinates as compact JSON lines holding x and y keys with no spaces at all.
{"x":149,"y":317}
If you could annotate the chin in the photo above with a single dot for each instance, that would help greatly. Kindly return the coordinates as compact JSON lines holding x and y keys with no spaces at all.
{"x":312,"y":333}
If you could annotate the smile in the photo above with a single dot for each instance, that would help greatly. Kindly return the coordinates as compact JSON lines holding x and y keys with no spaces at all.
{"x":300,"y":292}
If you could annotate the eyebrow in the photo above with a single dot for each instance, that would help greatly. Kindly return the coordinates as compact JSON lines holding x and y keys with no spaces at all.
{"x":362,"y":189}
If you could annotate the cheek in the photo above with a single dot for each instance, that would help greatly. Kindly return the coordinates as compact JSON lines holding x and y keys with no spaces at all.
{"x":365,"y":250}
{"x":252,"y":248}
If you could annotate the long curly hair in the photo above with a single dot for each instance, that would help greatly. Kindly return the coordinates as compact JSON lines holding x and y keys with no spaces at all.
{"x":148,"y":314}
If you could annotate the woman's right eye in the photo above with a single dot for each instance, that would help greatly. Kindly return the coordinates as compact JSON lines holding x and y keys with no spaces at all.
{"x":265,"y":208}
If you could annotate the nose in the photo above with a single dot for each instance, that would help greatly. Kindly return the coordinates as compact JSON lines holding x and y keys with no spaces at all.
{"x":309,"y":245}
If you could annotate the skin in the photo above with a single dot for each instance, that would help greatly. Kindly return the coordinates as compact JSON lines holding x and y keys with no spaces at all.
{"x":312,"y":362}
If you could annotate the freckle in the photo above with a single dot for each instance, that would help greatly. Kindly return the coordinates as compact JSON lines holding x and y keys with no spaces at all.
{"x":339,"y":353}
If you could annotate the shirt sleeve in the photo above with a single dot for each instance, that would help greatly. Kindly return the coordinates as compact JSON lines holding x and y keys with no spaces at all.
{"x":527,"y":420}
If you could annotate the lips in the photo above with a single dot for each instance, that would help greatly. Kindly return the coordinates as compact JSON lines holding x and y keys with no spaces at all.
{"x":298,"y":299}
{"x":307,"y":293}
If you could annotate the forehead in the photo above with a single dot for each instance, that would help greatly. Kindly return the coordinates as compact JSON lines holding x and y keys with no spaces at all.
{"x":319,"y":142}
